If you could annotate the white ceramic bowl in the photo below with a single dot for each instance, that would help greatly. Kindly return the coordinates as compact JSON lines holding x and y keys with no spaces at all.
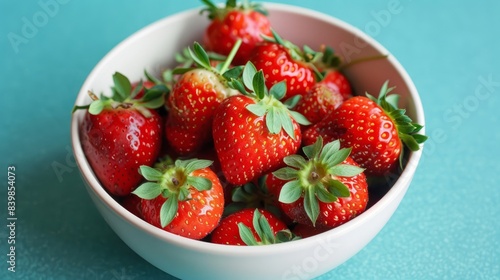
{"x":152,"y":48}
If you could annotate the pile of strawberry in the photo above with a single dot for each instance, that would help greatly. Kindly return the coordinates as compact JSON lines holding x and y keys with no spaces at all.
{"x":250,"y":140}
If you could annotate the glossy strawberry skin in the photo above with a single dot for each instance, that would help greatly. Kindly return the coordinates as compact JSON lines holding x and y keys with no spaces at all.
{"x":278,"y":65}
{"x":338,"y":82}
{"x":116,"y":142}
{"x":331,"y":214}
{"x":191,"y":104}
{"x":197,"y":216}
{"x":227,"y":232}
{"x":245,"y":148}
{"x":247,"y":25}
{"x":361,"y":124}
{"x":319,"y":101}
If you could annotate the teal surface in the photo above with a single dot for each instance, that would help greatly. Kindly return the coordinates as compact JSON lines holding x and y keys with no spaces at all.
{"x":447,"y":226}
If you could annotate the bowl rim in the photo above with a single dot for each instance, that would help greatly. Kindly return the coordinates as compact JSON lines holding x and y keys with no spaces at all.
{"x":203,"y":246}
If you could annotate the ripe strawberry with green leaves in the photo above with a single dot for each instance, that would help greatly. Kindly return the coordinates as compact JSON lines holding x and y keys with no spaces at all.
{"x":251,"y":227}
{"x":193,"y":99}
{"x":253,"y":132}
{"x":318,"y":102}
{"x":281,"y":60}
{"x":375,"y":128}
{"x":121,"y":133}
{"x":338,"y":83}
{"x":326,"y":190}
{"x":246,"y":21}
{"x":184,"y":198}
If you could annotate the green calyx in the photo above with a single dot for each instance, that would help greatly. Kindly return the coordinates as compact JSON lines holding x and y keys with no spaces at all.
{"x":407,"y":129}
{"x":124,"y":96}
{"x":173,"y":182}
{"x":218,"y":12}
{"x":264,"y":231}
{"x":251,"y":195}
{"x":315,"y":178}
{"x":202,"y":59}
{"x":278,"y":115}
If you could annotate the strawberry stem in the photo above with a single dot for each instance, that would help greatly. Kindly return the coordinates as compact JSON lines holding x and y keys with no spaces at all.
{"x":363,"y":59}
{"x":230,"y":57}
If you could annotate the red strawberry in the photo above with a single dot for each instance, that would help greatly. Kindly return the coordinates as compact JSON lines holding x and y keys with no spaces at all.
{"x":280,"y":60}
{"x":247,"y":22}
{"x":374,"y":128}
{"x":192,"y":102}
{"x":338,"y":82}
{"x":133,"y":204}
{"x":252,"y":135}
{"x":250,"y":227}
{"x":318,"y":102}
{"x":304,"y":231}
{"x":327,"y":189}
{"x":121,"y":133}
{"x":185,"y":198}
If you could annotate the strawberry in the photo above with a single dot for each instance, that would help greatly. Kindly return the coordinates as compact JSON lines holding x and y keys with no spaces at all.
{"x":250,"y":227}
{"x":318,"y":102}
{"x":247,"y":22}
{"x":184,"y":198}
{"x":280,"y":60}
{"x":374,"y":128}
{"x":304,"y":231}
{"x":326,"y":190}
{"x":338,"y":83}
{"x":121,"y":133}
{"x":253,"y":133}
{"x":132,"y":203}
{"x":193,"y":100}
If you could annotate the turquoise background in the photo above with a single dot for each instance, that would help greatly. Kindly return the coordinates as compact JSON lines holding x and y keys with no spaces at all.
{"x":447,"y":226}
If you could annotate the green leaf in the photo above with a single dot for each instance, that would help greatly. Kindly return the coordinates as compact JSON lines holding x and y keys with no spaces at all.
{"x":419,"y":138}
{"x":263,"y":228}
{"x":291,"y":102}
{"x":329,"y":149}
{"x":154,"y":104}
{"x":168,"y":210}
{"x":137,"y":89}
{"x":152,"y":78}
{"x":286,"y":173}
{"x":233,"y":73}
{"x":259,"y":85}
{"x":345,"y":170}
{"x":257,"y":109}
{"x":296,"y":161}
{"x":199,"y":183}
{"x":312,"y":151}
{"x":191,"y":165}
{"x":299,"y":118}
{"x":337,"y":157}
{"x":246,"y":235}
{"x":150,"y":173}
{"x":249,"y":72}
{"x":148,"y":190}
{"x":409,"y":141}
{"x":325,"y":196}
{"x":237,"y":85}
{"x":122,"y":85}
{"x":200,"y":56}
{"x":272,"y":121}
{"x":278,"y":90}
{"x":96,"y":107}
{"x":290,"y":192}
{"x":311,"y":205}
{"x":286,"y":122}
{"x":337,"y":188}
